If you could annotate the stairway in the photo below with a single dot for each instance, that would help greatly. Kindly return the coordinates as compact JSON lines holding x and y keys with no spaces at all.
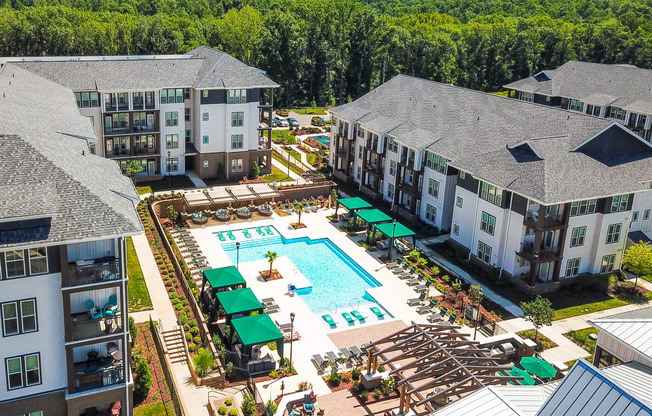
{"x":176,"y":349}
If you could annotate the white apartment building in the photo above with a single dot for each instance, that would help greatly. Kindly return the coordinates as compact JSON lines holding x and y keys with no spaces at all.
{"x":64,"y":217}
{"x":539,"y":195}
{"x":204,"y":110}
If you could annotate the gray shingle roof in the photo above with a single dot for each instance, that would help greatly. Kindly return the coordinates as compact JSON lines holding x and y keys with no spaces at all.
{"x":626,"y":86}
{"x":49,"y":172}
{"x":473,"y":130}
{"x":203,"y":67}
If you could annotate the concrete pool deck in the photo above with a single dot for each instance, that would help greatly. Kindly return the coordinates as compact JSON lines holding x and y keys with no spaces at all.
{"x":316,"y":337}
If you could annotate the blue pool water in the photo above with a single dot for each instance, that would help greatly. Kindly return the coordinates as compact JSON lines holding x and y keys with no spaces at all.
{"x":338,"y":282}
{"x":323,"y":139}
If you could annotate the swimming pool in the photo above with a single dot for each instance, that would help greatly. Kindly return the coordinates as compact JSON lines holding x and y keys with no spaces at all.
{"x":339,"y":284}
{"x":322,"y":139}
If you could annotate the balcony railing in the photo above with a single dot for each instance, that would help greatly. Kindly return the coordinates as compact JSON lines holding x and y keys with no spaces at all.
{"x":84,"y":327}
{"x":102,"y":375}
{"x":550,"y":222}
{"x":544,"y":255}
{"x":100,"y":271}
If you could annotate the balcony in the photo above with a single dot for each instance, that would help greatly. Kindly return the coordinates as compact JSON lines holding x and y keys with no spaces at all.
{"x":550,"y":222}
{"x":145,"y":150}
{"x":99,"y":271}
{"x":342,"y":151}
{"x":545,"y":255}
{"x":410,"y":188}
{"x":102,"y":373}
{"x":117,"y":128}
{"x":84,"y":327}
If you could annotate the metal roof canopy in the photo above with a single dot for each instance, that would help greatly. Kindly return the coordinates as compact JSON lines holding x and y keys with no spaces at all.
{"x":438,"y":356}
{"x":238,"y":301}
{"x":372,"y":217}
{"x":255,"y":330}
{"x":395,"y":230}
{"x":228,"y":277}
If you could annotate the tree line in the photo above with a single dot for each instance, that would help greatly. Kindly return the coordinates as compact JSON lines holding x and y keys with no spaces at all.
{"x":332,"y":51}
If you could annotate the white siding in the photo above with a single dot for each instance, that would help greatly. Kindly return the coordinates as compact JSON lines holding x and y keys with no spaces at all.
{"x":178,"y":130}
{"x":621,"y":350}
{"x":463,"y":217}
{"x":92,"y":250}
{"x":642,"y":202}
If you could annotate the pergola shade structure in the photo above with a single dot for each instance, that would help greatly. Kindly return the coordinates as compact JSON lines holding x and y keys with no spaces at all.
{"x":220,"y":196}
{"x":242,"y":193}
{"x":256,"y":330}
{"x":352,"y":204}
{"x":223,"y":278}
{"x":196,"y":199}
{"x":264,"y":191}
{"x":394,"y":230}
{"x":434,"y":362}
{"x":372,"y":217}
{"x":238,"y":302}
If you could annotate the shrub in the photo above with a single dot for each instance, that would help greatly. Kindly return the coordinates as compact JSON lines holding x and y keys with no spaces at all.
{"x":133,"y":331}
{"x":174,"y":296}
{"x":346,"y":377}
{"x":168,"y":284}
{"x":184,"y":303}
{"x":203,"y":361}
{"x":159,"y":262}
{"x":192,"y":323}
{"x":377,"y":394}
{"x":364,"y":396}
{"x":221,"y":410}
{"x":228,"y":402}
{"x":270,"y":408}
{"x":176,"y":301}
{"x":186,"y":328}
{"x":164,"y":272}
{"x":272,"y":346}
{"x":183,"y":319}
{"x":192,"y":347}
{"x":143,"y":378}
{"x":234,"y":412}
{"x":381,"y":368}
{"x":387,"y":385}
{"x":197,"y":340}
{"x":248,"y":405}
{"x":355,"y":387}
{"x":229,"y":371}
{"x":355,"y":374}
{"x":194,"y":331}
{"x":178,"y":306}
{"x":273,"y":374}
{"x":303,"y":386}
{"x":335,"y":378}
{"x":188,"y":337}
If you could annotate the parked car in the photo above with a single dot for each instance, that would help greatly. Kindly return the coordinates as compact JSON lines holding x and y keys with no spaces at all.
{"x":283,"y":122}
{"x":282,"y":112}
{"x":317,"y":121}
{"x":293,"y":122}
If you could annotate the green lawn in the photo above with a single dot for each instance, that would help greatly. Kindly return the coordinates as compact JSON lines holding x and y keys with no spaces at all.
{"x":501,"y":93}
{"x":165,"y":184}
{"x":294,"y":154}
{"x":310,"y":111}
{"x":277,"y":175}
{"x":582,"y":339}
{"x":647,"y":278}
{"x":283,"y":137}
{"x":281,"y":159}
{"x":138,"y":294}
{"x":585,"y":308}
{"x":311,"y":159}
{"x":154,"y":409}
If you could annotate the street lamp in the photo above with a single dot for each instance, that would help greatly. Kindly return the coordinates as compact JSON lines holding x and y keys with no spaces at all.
{"x":391,"y":243}
{"x":477,"y":320}
{"x":291,"y":337}
{"x":237,"y":255}
{"x":169,"y":173}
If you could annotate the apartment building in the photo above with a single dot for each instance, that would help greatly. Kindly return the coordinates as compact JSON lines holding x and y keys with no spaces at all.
{"x":204,"y":110}
{"x":539,"y":195}
{"x":618,"y":92}
{"x":64,"y":217}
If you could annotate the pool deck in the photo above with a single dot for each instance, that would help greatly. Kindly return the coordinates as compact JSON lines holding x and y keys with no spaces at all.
{"x":316,"y":337}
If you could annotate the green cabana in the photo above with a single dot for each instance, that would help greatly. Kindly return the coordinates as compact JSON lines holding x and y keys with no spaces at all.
{"x":352,"y":204}
{"x":373,"y":217}
{"x":394,"y":230}
{"x":256,"y":330}
{"x":224,"y":278}
{"x":239,"y":301}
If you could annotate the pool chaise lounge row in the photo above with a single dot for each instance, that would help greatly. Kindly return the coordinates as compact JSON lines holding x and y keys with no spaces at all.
{"x":351,"y":355}
{"x":357,"y":315}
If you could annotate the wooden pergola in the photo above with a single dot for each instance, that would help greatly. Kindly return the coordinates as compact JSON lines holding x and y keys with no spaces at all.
{"x":433,"y":362}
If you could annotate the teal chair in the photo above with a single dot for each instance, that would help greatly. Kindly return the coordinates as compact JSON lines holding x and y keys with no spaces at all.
{"x":112,"y":307}
{"x":93,"y":312}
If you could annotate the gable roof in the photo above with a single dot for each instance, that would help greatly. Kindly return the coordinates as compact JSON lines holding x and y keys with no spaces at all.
{"x":202,"y":68}
{"x":624,"y":86}
{"x":632,"y":328}
{"x":48,"y":171}
{"x":474,"y":130}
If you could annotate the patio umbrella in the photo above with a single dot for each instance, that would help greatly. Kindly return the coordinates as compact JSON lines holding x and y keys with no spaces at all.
{"x":538,"y":367}
{"x":517,"y":372}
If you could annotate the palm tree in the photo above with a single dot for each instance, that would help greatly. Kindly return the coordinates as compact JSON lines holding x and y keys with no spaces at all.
{"x":299,"y":208}
{"x":271,"y":256}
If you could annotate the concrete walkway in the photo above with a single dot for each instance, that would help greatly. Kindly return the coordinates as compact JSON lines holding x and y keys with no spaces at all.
{"x":495,"y":297}
{"x":283,"y":168}
{"x":196,"y":180}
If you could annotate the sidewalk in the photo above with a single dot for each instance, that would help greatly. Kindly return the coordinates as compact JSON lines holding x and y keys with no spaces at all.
{"x":196,"y":180}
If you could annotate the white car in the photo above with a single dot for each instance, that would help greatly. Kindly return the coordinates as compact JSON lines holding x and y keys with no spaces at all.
{"x":283,"y":122}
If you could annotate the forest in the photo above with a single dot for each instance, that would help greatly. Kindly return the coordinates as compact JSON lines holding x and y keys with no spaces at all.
{"x":333,"y":51}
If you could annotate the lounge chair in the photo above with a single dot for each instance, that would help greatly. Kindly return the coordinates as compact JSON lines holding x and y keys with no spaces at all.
{"x":348,"y":318}
{"x":347,"y":354}
{"x":93,"y":311}
{"x":435,"y":317}
{"x":376,"y":312}
{"x":272,"y":308}
{"x":329,"y":320}
{"x":260,"y":231}
{"x":319,"y":362}
{"x":405,"y":275}
{"x":357,"y":352}
{"x":443,"y":311}
{"x":111,"y":307}
{"x":230,"y":234}
{"x":416,"y":301}
{"x":334,"y":359}
{"x":246,"y":233}
{"x":269,"y":230}
{"x":267,"y":301}
{"x":295,"y":336}
{"x":220,"y":235}
{"x":452,"y":318}
{"x":284,"y":327}
{"x":391,"y":265}
{"x":413,"y":282}
{"x":358,"y":316}
{"x":423,"y":309}
{"x":421,"y":288}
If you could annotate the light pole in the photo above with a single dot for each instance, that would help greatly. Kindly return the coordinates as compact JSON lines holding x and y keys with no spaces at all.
{"x":391,"y":243}
{"x":237,"y":255}
{"x":477,"y":320}
{"x":291,"y":337}
{"x":169,"y":173}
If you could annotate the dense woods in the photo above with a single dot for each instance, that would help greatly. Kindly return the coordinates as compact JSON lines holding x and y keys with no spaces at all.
{"x":331,"y":51}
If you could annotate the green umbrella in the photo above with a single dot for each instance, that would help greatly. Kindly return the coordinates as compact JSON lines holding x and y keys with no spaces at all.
{"x":538,"y":367}
{"x":517,"y":372}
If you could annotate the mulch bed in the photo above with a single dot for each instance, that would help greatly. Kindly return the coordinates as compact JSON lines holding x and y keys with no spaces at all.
{"x":543,"y":342}
{"x":297,"y":226}
{"x":159,"y":390}
{"x":275,"y":275}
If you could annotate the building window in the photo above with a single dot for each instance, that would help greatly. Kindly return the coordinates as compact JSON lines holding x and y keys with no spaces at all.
{"x":358,"y":173}
{"x":436,"y":162}
{"x":491,"y":193}
{"x":37,"y":413}
{"x":573,"y":267}
{"x":390,"y":191}
{"x":459,"y":202}
{"x":87,"y":99}
{"x":204,"y":140}
{"x":237,"y":141}
{"x":613,"y":233}
{"x":433,"y":188}
{"x":360,"y":152}
{"x":205,"y":163}
{"x":392,"y":168}
{"x":236,"y":165}
{"x":91,"y":148}
{"x":488,"y":223}
{"x":522,"y":262}
{"x":237,"y":96}
{"x":15,"y":263}
{"x":204,"y":116}
{"x":484,"y":252}
{"x":431,"y":213}
{"x":204,"y":93}
{"x":171,"y":118}
{"x":646,"y":215}
{"x":608,"y":263}
{"x":172,"y":141}
{"x":456,"y":229}
{"x":19,"y":317}
{"x":172,"y":164}
{"x":583,"y":207}
{"x":529,"y":231}
{"x":186,"y":114}
{"x":634,"y":216}
{"x":392,"y":145}
{"x":527,"y":96}
{"x":617,"y":113}
{"x":187,"y":136}
{"x":575,"y":105}
{"x":172,"y":95}
{"x":619,"y":203}
{"x":462,"y":175}
{"x":38,"y":260}
{"x":577,"y":236}
{"x":23,"y":371}
{"x":237,"y":119}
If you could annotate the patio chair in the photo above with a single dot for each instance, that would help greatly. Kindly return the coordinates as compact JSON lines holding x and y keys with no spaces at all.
{"x":348,"y":318}
{"x":319,"y":361}
{"x":308,"y":405}
{"x":413,"y":282}
{"x":267,"y":301}
{"x":334,"y":359}
{"x":357,"y":352}
{"x":111,"y":307}
{"x":358,"y":316}
{"x":376,"y":312}
{"x":272,"y":308}
{"x":329,"y":320}
{"x":435,"y":317}
{"x":347,"y":354}
{"x":423,"y":309}
{"x":416,"y":301}
{"x":93,"y":311}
